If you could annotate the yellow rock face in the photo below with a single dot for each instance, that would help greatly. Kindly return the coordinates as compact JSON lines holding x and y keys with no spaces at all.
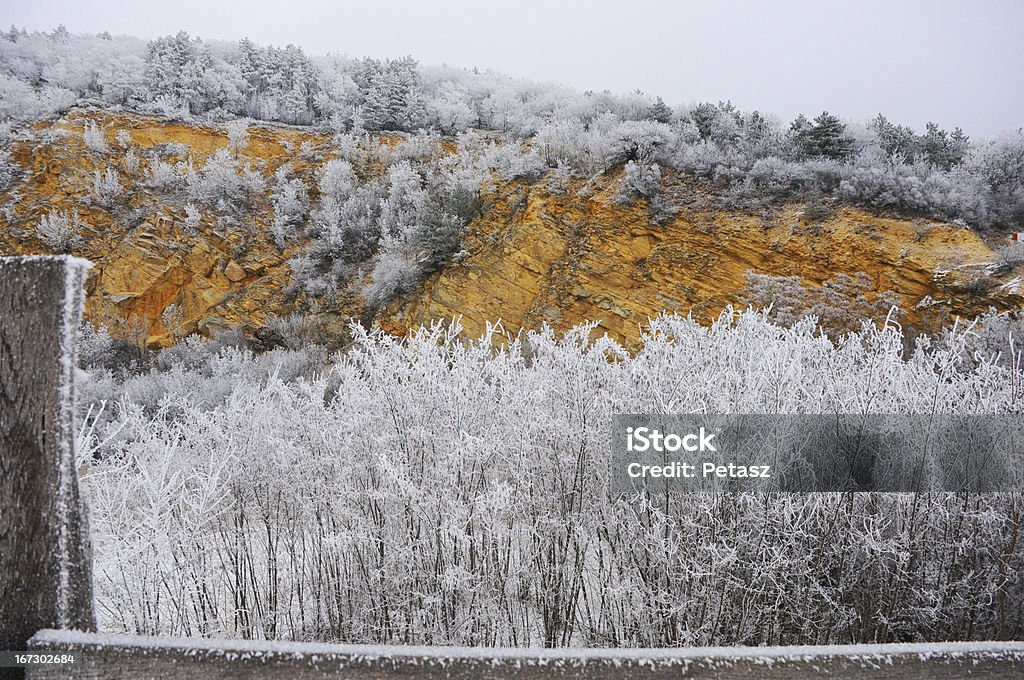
{"x":563,"y":259}
{"x":154,"y":270}
{"x":536,"y":257}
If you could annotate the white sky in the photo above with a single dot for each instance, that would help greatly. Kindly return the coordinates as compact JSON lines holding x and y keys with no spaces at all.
{"x":954,"y":62}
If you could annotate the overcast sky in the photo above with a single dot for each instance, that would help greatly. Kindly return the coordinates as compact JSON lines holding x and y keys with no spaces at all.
{"x":957,"y":63}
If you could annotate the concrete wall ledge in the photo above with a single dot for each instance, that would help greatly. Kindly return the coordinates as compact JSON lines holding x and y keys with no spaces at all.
{"x":128,"y":656}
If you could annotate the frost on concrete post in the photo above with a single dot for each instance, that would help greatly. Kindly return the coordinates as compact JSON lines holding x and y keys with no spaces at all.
{"x":45,"y":560}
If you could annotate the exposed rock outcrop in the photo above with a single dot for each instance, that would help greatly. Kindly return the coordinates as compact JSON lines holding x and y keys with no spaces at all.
{"x":536,"y":256}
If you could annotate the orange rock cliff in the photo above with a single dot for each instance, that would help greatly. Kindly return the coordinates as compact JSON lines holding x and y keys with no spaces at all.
{"x":535,"y":255}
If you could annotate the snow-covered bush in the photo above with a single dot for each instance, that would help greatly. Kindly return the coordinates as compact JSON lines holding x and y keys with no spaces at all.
{"x":297,"y":331}
{"x":9,"y":169}
{"x":436,"y":490}
{"x":638,"y":181}
{"x":60,"y":230}
{"x":238,"y":137}
{"x":106,"y":186}
{"x":19,"y":101}
{"x":448,"y":110}
{"x":345,"y":229}
{"x":94,"y":344}
{"x":291,"y":205}
{"x":838,"y":306}
{"x":218,"y":182}
{"x":192,"y":218}
{"x":394,"y":273}
{"x":94,"y":137}
{"x":166,"y":176}
{"x":131,"y":163}
{"x":510,"y":162}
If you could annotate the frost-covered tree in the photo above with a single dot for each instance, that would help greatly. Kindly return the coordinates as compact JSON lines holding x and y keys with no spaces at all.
{"x":132,"y":164}
{"x":238,"y":137}
{"x":719,"y":122}
{"x":999,"y":165}
{"x":449,"y":111}
{"x":344,"y":229}
{"x":291,"y":205}
{"x":217,"y":180}
{"x":391,"y":96}
{"x":659,"y":111}
{"x":638,"y":181}
{"x":166,"y":176}
{"x":826,"y":137}
{"x":168,"y":66}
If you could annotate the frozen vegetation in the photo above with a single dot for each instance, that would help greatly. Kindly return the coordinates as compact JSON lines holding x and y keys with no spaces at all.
{"x":748,"y":158}
{"x":413,"y":154}
{"x":440,"y":491}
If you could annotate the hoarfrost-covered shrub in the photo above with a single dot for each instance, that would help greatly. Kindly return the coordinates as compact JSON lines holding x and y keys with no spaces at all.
{"x":455,"y":491}
{"x":106,"y":186}
{"x":238,"y":137}
{"x":290,"y":201}
{"x":9,"y":169}
{"x":295,"y":331}
{"x":192,"y":218}
{"x":393,"y":274}
{"x":776,"y":177}
{"x":191,"y":353}
{"x":995,"y":334}
{"x":94,"y":344}
{"x":92,"y":135}
{"x":560,"y":178}
{"x":701,"y":159}
{"x":638,"y":181}
{"x":253,"y":181}
{"x":344,"y":230}
{"x":219,"y":182}
{"x":448,"y":110}
{"x":169,"y":150}
{"x":131,"y":162}
{"x":838,"y":306}
{"x":643,"y":141}
{"x":510,"y":162}
{"x":420,"y":226}
{"x":565,"y":142}
{"x":60,"y":230}
{"x":406,"y":198}
{"x":337,"y":180}
{"x":165,"y":176}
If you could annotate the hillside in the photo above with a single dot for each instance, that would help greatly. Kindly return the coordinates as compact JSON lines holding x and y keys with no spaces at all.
{"x":145,"y":254}
{"x":540,"y":249}
{"x":562,"y":259}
